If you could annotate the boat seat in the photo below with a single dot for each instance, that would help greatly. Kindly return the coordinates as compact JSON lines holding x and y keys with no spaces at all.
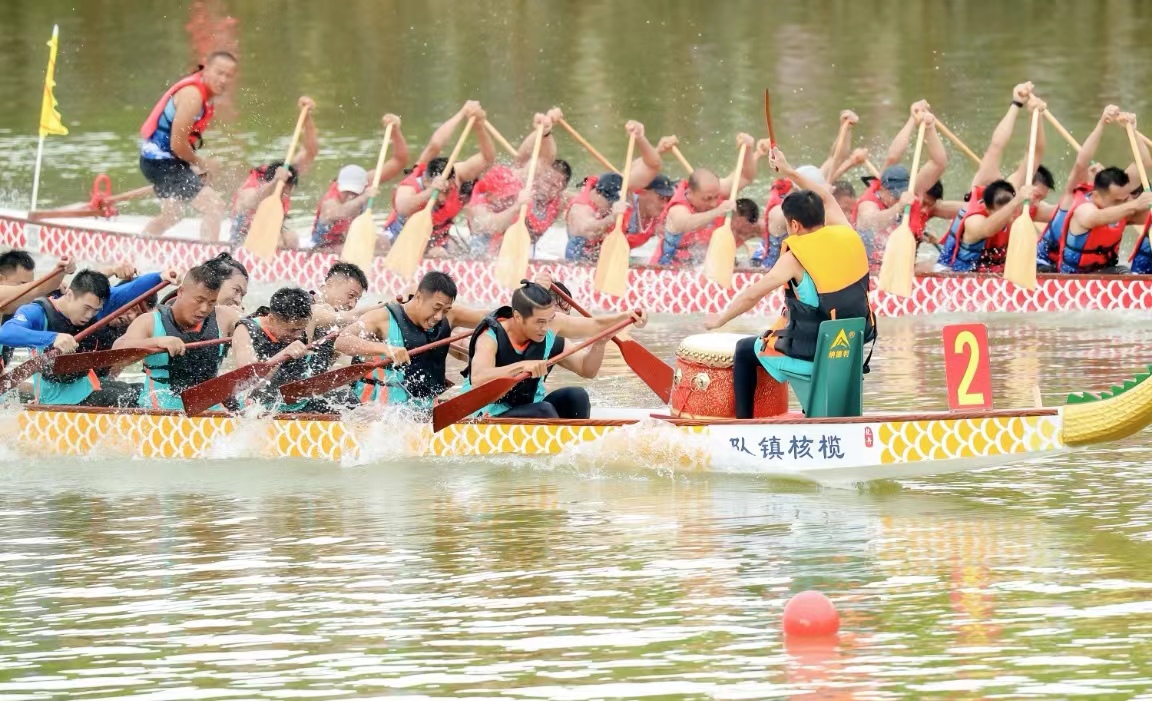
{"x":836,"y":386}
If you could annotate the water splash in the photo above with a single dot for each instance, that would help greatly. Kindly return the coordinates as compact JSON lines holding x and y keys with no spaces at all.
{"x":657,"y":447}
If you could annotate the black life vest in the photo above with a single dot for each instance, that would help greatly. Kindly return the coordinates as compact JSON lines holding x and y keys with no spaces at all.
{"x":58,"y":323}
{"x":196,"y":365}
{"x":266,"y":347}
{"x":836,"y":260}
{"x":426,"y":376}
{"x":524,"y":392}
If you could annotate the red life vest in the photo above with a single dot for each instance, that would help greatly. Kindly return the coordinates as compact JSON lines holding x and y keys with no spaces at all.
{"x":241,"y":221}
{"x":995,"y":250}
{"x":206,"y":111}
{"x":689,"y":239}
{"x":1101,"y":247}
{"x":917,"y":218}
{"x":498,"y":190}
{"x":584,"y":197}
{"x":448,"y":205}
{"x":779,"y":190}
{"x":334,"y":232}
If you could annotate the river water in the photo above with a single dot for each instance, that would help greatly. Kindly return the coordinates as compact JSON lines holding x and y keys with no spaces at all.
{"x":557,"y":579}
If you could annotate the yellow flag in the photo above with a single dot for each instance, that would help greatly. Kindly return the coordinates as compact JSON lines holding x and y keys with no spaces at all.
{"x":49,"y":118}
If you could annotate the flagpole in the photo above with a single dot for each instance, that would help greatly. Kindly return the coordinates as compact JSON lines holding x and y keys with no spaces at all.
{"x":36,"y":173}
{"x":49,"y":118}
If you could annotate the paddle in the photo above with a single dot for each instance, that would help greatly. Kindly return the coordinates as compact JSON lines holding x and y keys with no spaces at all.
{"x":1143,"y":181}
{"x":475,"y":399}
{"x":39,"y":361}
{"x":264,"y":232}
{"x":896,"y":268}
{"x":408,"y":250}
{"x":956,"y":140}
{"x":683,"y":161}
{"x":199,"y":398}
{"x":92,"y":360}
{"x":1062,"y":131}
{"x":500,"y":139}
{"x":1020,"y":260}
{"x":589,"y":147}
{"x":360,"y":242}
{"x":655,"y":373}
{"x":768,"y":118}
{"x":29,"y":286}
{"x":721,"y":256}
{"x":512,"y":261}
{"x":612,"y":267}
{"x":301,"y":389}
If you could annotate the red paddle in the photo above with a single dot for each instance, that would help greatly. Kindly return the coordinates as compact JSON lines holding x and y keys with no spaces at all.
{"x":475,"y":399}
{"x":654,"y":372}
{"x":292,"y":392}
{"x":40,"y":361}
{"x":768,"y":118}
{"x":29,"y":286}
{"x":199,"y":398}
{"x":80,"y":362}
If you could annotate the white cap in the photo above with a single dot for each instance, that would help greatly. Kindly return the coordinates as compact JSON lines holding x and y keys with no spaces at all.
{"x":812,"y":173}
{"x":352,"y":179}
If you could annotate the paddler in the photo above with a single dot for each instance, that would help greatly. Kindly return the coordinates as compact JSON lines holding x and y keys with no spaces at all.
{"x":261,"y":181}
{"x":1085,"y":234}
{"x":521,"y":338}
{"x":349,"y":193}
{"x":592,"y":214}
{"x":879,"y":209}
{"x":698,"y":207}
{"x":234,"y":283}
{"x":54,"y":321}
{"x":824,"y":271}
{"x":17,"y":268}
{"x":971,"y":243}
{"x":498,"y":195}
{"x":280,"y":333}
{"x":172,"y":134}
{"x":428,"y":178}
{"x":194,"y":314}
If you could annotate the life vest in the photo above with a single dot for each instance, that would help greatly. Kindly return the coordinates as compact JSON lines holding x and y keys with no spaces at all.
{"x":1095,"y":249}
{"x":177,"y":373}
{"x":877,"y":241}
{"x":499,"y":188}
{"x":835,"y":259}
{"x":637,"y":232}
{"x":6,"y":352}
{"x":425,"y":377}
{"x":448,"y":205}
{"x":686,"y":247}
{"x":242,"y":221}
{"x":330,"y":233}
{"x":768,"y":252}
{"x":157,"y":128}
{"x":58,"y":324}
{"x":1141,"y":258}
{"x":578,"y":247}
{"x":265,"y":346}
{"x":526,"y":391}
{"x":780,"y":189}
{"x":985,"y":256}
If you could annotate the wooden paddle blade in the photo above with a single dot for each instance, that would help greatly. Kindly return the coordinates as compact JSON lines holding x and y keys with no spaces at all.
{"x":23,"y":371}
{"x":293,"y":392}
{"x":655,"y":373}
{"x":721,"y":257}
{"x":199,"y":398}
{"x":1020,"y":260}
{"x":360,"y":243}
{"x":612,"y":268}
{"x":512,"y":261}
{"x":408,"y":249}
{"x":94,"y":360}
{"x":264,"y":233}
{"x":461,"y":407}
{"x":898,"y":265}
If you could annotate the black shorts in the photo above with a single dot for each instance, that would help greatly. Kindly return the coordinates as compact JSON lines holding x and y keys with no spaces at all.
{"x":172,"y":178}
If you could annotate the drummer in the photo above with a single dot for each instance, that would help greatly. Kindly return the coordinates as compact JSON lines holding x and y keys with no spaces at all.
{"x":823,"y":268}
{"x":522,"y":338}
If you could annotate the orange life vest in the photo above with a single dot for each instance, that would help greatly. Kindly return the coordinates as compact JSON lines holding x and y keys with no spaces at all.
{"x":152,"y":123}
{"x":685,"y":247}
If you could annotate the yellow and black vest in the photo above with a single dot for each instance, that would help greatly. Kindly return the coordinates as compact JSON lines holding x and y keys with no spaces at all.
{"x":835,"y":259}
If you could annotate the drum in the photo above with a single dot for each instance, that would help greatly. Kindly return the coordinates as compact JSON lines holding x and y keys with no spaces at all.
{"x":702,"y":387}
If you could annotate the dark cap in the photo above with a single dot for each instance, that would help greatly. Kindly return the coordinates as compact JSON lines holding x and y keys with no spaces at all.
{"x":609,"y":186}
{"x":662,"y":186}
{"x":895,"y":179}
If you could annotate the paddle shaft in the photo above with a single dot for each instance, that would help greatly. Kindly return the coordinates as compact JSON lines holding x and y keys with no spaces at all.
{"x":29,"y":286}
{"x":1032,"y":152}
{"x":624,"y":181}
{"x":379,"y":166}
{"x":291,"y":150}
{"x":736,"y":181}
{"x":531,"y":180}
{"x":956,"y":140}
{"x":79,"y":362}
{"x":500,"y":139}
{"x":768,"y":118}
{"x":579,"y":309}
{"x":915,"y":168}
{"x":1136,"y":155}
{"x":589,"y":147}
{"x":112,"y":316}
{"x":452,"y":158}
{"x":1062,"y":131}
{"x":683,"y":161}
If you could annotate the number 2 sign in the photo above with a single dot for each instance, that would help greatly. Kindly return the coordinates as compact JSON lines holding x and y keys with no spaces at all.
{"x":966,"y":367}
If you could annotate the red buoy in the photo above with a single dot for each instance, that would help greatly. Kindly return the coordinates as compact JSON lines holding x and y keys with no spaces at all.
{"x":810,"y":613}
